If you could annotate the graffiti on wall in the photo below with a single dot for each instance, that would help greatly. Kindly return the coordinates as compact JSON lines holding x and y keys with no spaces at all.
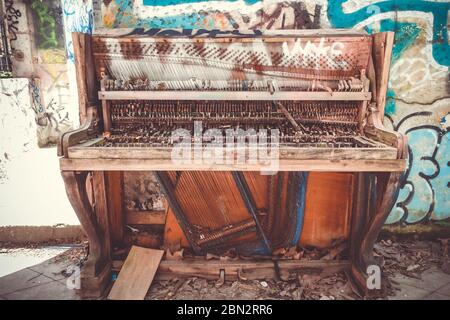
{"x":12,"y":19}
{"x":426,"y":192}
{"x":257,"y":14}
{"x":192,"y":33}
{"x":438,"y":10}
{"x":421,"y":27}
{"x":46,"y":26}
{"x":78,"y":17}
{"x":223,"y":15}
{"x":52,"y":103}
{"x":419,"y":74}
{"x":39,"y":31}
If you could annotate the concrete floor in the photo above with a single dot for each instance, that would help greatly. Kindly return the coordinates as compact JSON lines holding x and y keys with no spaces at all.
{"x":45,"y":281}
{"x":434,"y":285}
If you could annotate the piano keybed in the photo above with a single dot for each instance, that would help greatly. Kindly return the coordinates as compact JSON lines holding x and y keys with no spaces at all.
{"x":305,"y":141}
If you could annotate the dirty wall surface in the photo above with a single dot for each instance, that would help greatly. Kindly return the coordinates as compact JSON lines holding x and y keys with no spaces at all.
{"x":39,"y":33}
{"x":36,"y":105}
{"x":419,"y":90}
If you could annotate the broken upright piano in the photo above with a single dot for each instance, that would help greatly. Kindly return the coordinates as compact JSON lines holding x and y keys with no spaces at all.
{"x":322,"y":91}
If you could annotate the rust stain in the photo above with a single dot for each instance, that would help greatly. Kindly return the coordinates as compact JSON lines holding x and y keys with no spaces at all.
{"x":131,"y":50}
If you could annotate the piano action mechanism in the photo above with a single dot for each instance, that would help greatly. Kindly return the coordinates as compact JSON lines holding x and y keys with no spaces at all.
{"x":322,"y":91}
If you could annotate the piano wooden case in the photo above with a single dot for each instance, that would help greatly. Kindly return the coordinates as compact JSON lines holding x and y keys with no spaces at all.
{"x":322,"y":91}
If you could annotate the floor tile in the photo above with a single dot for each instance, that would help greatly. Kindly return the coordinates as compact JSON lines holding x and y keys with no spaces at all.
{"x":437,"y":296}
{"x":444,"y":290}
{"x":51,"y":269}
{"x":433,"y":279}
{"x":24,"y":278}
{"x":48,"y":291}
{"x":410,"y":293}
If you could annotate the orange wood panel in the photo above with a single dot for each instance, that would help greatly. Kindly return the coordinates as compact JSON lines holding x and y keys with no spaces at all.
{"x":174,"y":238}
{"x":210,"y":199}
{"x":114,"y":195}
{"x":327,"y":209}
{"x":258,"y":185}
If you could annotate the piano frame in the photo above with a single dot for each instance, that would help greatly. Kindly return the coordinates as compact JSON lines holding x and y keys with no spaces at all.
{"x":378,"y":171}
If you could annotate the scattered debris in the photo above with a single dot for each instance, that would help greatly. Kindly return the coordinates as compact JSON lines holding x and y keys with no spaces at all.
{"x":230,"y":255}
{"x":177,"y":255}
{"x":408,"y":257}
{"x":134,"y":230}
{"x":336,"y":251}
{"x":221,"y":279}
{"x":210,"y":256}
{"x":240,"y":275}
{"x":289,"y":253}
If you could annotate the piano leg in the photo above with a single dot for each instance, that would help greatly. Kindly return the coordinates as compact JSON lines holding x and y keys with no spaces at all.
{"x":375,"y":196}
{"x":96,"y":272}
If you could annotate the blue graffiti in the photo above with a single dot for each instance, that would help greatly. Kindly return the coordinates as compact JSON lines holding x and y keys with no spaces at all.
{"x":70,"y":53}
{"x":82,"y":20}
{"x":175,"y":2}
{"x":122,"y":6}
{"x":78,"y":18}
{"x":441,"y":183}
{"x":391,"y":106}
{"x":406,"y":34}
{"x":439,"y":10}
{"x":426,"y":191}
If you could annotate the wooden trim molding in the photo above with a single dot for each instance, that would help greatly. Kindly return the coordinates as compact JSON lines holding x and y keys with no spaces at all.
{"x":394,"y":165}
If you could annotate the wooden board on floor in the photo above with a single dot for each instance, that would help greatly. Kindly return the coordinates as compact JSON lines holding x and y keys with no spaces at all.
{"x":136,"y":275}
